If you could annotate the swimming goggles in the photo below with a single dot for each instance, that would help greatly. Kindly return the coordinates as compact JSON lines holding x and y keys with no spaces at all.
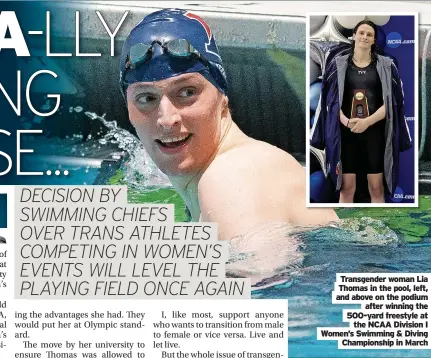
{"x":140,"y":53}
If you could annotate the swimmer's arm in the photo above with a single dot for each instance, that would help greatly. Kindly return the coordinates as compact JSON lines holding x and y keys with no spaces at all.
{"x":231,"y":198}
{"x":240,"y":199}
{"x":362,"y":124}
{"x":374,"y":118}
{"x":261,"y":205}
{"x":346,"y":121}
{"x":299,"y":214}
{"x":343,"y":119}
{"x":377,"y":116}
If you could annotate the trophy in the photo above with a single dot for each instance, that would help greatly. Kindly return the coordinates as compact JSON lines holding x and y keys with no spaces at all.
{"x":359,"y":105}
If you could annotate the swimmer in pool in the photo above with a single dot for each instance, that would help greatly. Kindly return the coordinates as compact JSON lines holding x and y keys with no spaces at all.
{"x":175,"y":86}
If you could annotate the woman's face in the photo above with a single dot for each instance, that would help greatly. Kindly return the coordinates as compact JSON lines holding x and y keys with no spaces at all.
{"x":364,"y":37}
{"x":178,"y":121}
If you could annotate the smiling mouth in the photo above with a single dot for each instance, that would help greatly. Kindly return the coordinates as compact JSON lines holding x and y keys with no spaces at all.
{"x":174,"y":142}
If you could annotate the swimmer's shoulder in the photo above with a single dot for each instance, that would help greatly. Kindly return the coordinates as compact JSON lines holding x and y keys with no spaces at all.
{"x":253,"y":154}
{"x":252,"y":183}
{"x":255,"y":165}
{"x":249,"y":184}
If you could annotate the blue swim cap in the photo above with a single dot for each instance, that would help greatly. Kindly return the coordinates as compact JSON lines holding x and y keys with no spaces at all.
{"x":164,"y":26}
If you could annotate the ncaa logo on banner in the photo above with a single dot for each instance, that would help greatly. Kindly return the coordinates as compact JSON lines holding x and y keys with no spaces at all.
{"x":394,"y":40}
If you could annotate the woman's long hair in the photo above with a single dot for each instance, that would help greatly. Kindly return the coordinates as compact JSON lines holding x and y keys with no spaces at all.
{"x":374,"y":48}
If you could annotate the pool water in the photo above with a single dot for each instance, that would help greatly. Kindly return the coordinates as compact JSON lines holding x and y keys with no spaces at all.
{"x":153,"y":195}
{"x":370,"y":240}
{"x":367,"y":240}
{"x":309,"y":294}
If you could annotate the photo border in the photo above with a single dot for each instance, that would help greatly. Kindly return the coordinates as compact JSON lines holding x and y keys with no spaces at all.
{"x":415,"y":204}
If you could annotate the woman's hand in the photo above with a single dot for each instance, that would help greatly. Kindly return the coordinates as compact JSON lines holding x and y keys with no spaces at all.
{"x":352,"y":122}
{"x":359,"y":124}
{"x":343,"y":119}
{"x":349,"y":123}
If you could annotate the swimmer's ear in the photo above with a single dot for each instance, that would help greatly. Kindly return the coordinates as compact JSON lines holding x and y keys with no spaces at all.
{"x":225,"y":101}
{"x":225,"y":106}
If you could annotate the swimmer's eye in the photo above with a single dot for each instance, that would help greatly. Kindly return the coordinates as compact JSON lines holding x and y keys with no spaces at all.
{"x":146,"y":98}
{"x":187,"y":92}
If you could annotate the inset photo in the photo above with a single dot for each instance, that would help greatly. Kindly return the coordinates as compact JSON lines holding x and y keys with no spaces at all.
{"x":362,"y":115}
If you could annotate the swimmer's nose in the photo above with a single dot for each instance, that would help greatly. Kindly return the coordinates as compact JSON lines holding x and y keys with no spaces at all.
{"x":168,"y":114}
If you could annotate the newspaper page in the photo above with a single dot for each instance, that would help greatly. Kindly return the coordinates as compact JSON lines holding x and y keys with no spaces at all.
{"x":214,"y":180}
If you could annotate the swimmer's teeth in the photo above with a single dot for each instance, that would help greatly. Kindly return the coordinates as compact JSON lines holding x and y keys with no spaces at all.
{"x":175,"y":139}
